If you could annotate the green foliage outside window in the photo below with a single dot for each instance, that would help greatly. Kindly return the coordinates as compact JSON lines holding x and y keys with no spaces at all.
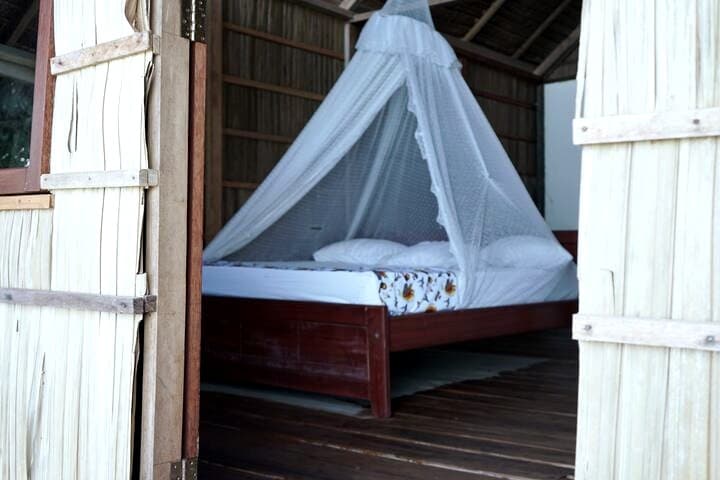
{"x":16,"y":100}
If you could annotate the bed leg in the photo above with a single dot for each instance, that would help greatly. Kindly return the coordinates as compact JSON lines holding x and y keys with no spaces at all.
{"x":379,"y":361}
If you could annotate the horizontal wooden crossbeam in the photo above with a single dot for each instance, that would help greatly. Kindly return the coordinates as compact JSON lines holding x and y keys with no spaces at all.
{"x":653,"y":126}
{"x":249,"y":135}
{"x":41,"y":201}
{"x":650,"y":332}
{"x":269,"y":87}
{"x":103,"y":179}
{"x":105,"y":52}
{"x":240,"y":185}
{"x":269,"y":37}
{"x":79,"y":301}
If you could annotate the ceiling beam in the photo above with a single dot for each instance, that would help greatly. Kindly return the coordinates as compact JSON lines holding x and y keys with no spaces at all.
{"x":491,"y":57}
{"x":327,"y":7}
{"x":361,"y":17}
{"x":559,"y":52}
{"x":348,"y":4}
{"x":24,"y":23}
{"x":539,"y":30}
{"x":482,"y":21}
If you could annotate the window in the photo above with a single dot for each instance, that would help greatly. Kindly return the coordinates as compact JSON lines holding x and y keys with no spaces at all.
{"x":25,"y":93}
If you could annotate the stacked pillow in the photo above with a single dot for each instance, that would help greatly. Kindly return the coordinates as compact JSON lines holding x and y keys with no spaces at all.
{"x":367,"y":251}
{"x":518,"y":251}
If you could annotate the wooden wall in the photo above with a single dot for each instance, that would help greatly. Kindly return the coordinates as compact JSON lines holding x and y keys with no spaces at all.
{"x":279,"y":58}
{"x":648,"y":247}
{"x":510,"y":104}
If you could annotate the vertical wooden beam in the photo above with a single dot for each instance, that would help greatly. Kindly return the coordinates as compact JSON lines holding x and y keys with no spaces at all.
{"x":558,"y":53}
{"x":378,"y":340}
{"x":198,"y":91}
{"x":214,"y":158}
{"x":482,"y":21}
{"x":540,"y":29}
{"x":166,"y":247}
{"x":43,"y":99}
{"x":540,"y":148}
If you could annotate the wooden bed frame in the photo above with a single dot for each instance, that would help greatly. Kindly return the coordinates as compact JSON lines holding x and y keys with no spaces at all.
{"x":344,"y":350}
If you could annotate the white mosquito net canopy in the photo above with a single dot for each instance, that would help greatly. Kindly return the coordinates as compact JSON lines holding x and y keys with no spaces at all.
{"x":398,"y":150}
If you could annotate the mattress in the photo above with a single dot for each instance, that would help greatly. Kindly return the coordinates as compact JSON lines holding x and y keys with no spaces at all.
{"x":403,"y":291}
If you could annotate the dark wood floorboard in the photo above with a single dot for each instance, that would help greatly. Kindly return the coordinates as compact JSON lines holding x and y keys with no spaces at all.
{"x":519,"y":425}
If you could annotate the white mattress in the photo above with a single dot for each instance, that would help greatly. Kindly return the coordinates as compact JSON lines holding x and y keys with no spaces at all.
{"x":291,"y":283}
{"x":314,"y":281}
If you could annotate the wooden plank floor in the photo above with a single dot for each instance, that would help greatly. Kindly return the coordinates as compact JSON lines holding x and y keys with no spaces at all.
{"x":518,"y":425}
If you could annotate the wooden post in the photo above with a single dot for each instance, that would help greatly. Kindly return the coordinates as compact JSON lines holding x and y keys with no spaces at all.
{"x":215,"y":123}
{"x":378,"y":341}
{"x":166,"y":247}
{"x":191,"y":420}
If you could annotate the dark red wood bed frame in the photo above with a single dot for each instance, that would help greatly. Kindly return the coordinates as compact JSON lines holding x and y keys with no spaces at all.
{"x":344,"y":350}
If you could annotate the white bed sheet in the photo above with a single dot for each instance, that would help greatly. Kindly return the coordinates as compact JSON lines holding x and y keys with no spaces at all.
{"x":359,"y":287}
{"x":315,"y":281}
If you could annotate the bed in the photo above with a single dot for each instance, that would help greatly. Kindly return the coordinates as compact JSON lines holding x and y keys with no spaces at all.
{"x":331,"y":328}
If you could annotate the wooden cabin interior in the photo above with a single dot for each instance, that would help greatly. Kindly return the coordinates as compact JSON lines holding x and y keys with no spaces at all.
{"x":270,"y":64}
{"x":133,"y":132}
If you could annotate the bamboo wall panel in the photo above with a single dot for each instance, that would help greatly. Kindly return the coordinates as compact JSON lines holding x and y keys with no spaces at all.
{"x":83,"y":413}
{"x":24,"y":263}
{"x":649,"y":242}
{"x":510,"y":104}
{"x":508,"y":101}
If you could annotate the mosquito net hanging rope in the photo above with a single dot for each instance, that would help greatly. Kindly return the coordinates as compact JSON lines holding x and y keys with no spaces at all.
{"x":399,"y":150}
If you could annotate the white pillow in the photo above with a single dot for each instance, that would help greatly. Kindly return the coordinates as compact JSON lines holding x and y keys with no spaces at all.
{"x":424,"y":254}
{"x":525,"y":251}
{"x":360,"y":251}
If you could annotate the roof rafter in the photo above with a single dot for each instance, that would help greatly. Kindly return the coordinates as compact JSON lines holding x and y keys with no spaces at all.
{"x":559,"y":52}
{"x":482,"y":21}
{"x":486,"y":55}
{"x":540,"y":29}
{"x":348,"y":4}
{"x":23,"y":24}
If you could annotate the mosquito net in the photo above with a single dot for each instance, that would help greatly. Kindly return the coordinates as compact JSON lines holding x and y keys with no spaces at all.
{"x":399,"y":150}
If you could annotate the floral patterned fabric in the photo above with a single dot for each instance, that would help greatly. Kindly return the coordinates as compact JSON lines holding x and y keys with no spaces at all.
{"x":402,"y":290}
{"x":417,"y":291}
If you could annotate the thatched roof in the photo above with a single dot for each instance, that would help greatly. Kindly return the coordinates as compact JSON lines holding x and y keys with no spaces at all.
{"x":535,"y":35}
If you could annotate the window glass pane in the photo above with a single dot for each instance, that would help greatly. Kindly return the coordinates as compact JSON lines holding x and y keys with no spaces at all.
{"x":16,"y":99}
{"x":18,"y":42}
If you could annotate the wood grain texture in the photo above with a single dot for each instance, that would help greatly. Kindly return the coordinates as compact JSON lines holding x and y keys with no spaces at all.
{"x":653,"y":126}
{"x":143,"y":178}
{"x":79,"y":301}
{"x":196,"y":171}
{"x":134,"y":44}
{"x":647,"y":230}
{"x":213,"y":196}
{"x":282,"y":41}
{"x":518,"y":425}
{"x":648,"y":332}
{"x":343,"y":349}
{"x":26,"y":202}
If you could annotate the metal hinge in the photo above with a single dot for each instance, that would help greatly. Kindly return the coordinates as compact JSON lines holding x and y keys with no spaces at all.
{"x":194,"y":20}
{"x":185,"y":469}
